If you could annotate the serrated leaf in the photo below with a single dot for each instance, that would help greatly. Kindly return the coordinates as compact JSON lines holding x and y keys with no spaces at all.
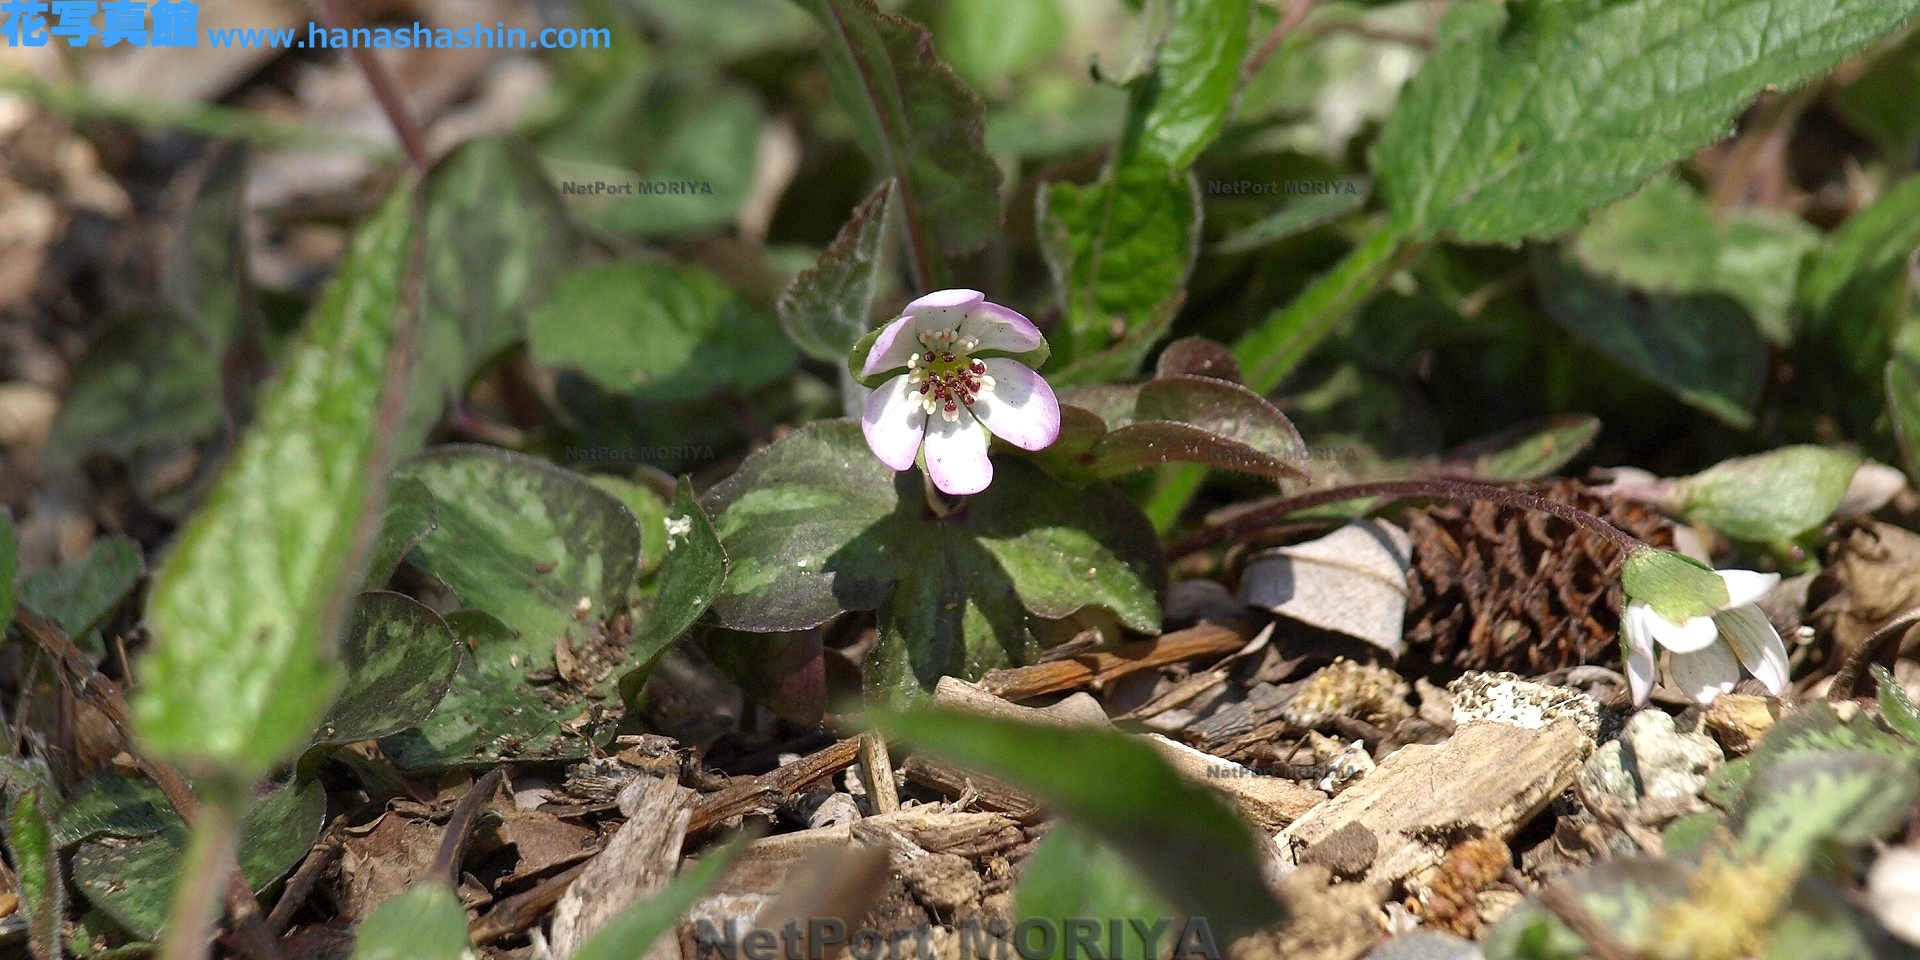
{"x":1895,"y":707}
{"x":409,"y":515}
{"x":1796,"y":803}
{"x":1497,"y":139}
{"x":79,"y":594}
{"x":1181,"y":419}
{"x":244,"y":611}
{"x":630,"y":934}
{"x":36,"y":863}
{"x":1815,"y":728}
{"x":1701,"y":348}
{"x":1772,"y":496}
{"x":400,"y":658}
{"x":1181,"y":105}
{"x":1121,"y":360}
{"x":524,"y":543}
{"x":1185,"y":838}
{"x":658,"y":332}
{"x":918,"y":124}
{"x":1118,"y":248}
{"x":825,"y":309}
{"x":690,"y":578}
{"x":497,"y":237}
{"x":1072,"y":875}
{"x":814,"y":525}
{"x":426,"y":922}
{"x":132,"y":880}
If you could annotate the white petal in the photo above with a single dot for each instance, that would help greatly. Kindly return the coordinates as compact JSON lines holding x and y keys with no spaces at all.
{"x":1639,"y":644}
{"x":1746,"y":586}
{"x":894,"y":421}
{"x":1757,"y":645}
{"x":1000,"y":328}
{"x":957,"y":455}
{"x":1705,"y":673}
{"x":892,"y":348}
{"x":943,"y":309}
{"x":1020,"y":409}
{"x":1696,"y":634}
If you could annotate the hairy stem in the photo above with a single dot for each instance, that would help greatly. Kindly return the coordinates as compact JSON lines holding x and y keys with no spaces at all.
{"x":1404,"y":489}
{"x":203,"y":882}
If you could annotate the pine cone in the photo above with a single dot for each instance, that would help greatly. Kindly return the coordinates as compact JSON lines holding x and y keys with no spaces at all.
{"x":1496,"y":588}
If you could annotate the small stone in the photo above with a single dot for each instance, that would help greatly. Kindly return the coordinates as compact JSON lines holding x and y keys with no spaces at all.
{"x":942,"y":880}
{"x":1738,"y":721}
{"x":1506,"y":698}
{"x":1893,"y":892}
{"x":1427,"y":945}
{"x":1348,"y":851}
{"x":1666,"y":762}
{"x":1609,"y":772}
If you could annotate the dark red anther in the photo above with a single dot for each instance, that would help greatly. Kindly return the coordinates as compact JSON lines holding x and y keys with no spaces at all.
{"x":946,"y":358}
{"x":929,"y":357}
{"x":951,"y":408}
{"x":979,"y":367}
{"x":967,"y":398}
{"x":924,"y":387}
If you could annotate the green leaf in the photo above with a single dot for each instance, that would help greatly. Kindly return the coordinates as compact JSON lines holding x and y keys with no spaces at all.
{"x":1701,"y":348}
{"x":1185,"y":838}
{"x":1297,"y":217}
{"x":658,"y":331}
{"x":690,"y":577}
{"x":1528,"y":451}
{"x":203,"y":273}
{"x":9,"y":565}
{"x":36,"y":862}
{"x":1895,"y":707}
{"x":1816,"y":729}
{"x":1181,"y":105}
{"x":825,"y":309}
{"x":424,"y":923}
{"x":646,"y":507}
{"x":497,"y":238}
{"x":814,"y":525}
{"x":708,"y":139}
{"x":1903,"y":407}
{"x":1626,"y":896}
{"x":1847,"y":797}
{"x":131,"y":879}
{"x":1118,"y":249}
{"x":1678,"y":587}
{"x":729,"y":30}
{"x":1175,"y":419}
{"x":1772,"y":496}
{"x":630,"y":933}
{"x":409,"y":515}
{"x":400,"y":657}
{"x":1271,"y":351}
{"x":147,"y":386}
{"x":244,"y":611}
{"x":1822,"y":922}
{"x":526,"y":544}
{"x":1665,"y":239}
{"x":1072,"y":875}
{"x":78,"y":595}
{"x":1854,"y":296}
{"x":1121,"y":361}
{"x":1876,"y":101}
{"x":1500,"y":138}
{"x":988,"y":39}
{"x":918,"y":124}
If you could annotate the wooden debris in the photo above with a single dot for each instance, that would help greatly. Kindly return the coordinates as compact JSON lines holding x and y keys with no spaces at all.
{"x":1097,"y":669}
{"x":986,"y":792}
{"x":767,"y":791}
{"x":1270,"y":802}
{"x":1488,"y":780}
{"x":876,"y":773}
{"x":931,"y":829}
{"x":638,"y":861}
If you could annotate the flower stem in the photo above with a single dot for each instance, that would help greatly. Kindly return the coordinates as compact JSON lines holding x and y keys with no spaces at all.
{"x":1404,"y":489}
{"x":203,"y":880}
{"x":941,"y":504}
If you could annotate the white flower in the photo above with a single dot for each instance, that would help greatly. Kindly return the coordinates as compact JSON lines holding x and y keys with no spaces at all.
{"x":678,"y":528}
{"x":947,"y":400}
{"x":1697,"y":662}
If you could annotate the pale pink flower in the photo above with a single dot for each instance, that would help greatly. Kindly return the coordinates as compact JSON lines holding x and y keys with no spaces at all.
{"x":1697,"y":661}
{"x":946,"y":399}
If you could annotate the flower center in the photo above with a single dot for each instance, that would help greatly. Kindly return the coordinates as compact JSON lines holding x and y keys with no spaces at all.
{"x":944,"y":376}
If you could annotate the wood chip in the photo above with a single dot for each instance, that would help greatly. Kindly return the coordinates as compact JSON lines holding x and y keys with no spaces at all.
{"x":933,"y":830}
{"x":1488,"y":779}
{"x":638,"y":861}
{"x":1096,"y":669}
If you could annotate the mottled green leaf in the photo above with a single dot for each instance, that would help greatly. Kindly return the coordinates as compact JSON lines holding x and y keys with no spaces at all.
{"x":988,"y":39}
{"x":918,"y":124}
{"x":1895,"y":707}
{"x":400,"y":657}
{"x":660,"y":332}
{"x":1824,"y":921}
{"x":1816,"y":729}
{"x":1701,"y":348}
{"x":814,"y":525}
{"x":497,"y":238}
{"x":551,"y":559}
{"x":1846,"y":797}
{"x":79,"y":594}
{"x":1072,"y":875}
{"x":1185,"y":838}
{"x":426,"y":922}
{"x":1297,"y":217}
{"x":36,"y":864}
{"x":825,"y":309}
{"x":1626,"y":896}
{"x":632,"y":931}
{"x":146,"y":387}
{"x":1118,"y":248}
{"x":1772,"y":496}
{"x":1121,"y":360}
{"x":409,"y":515}
{"x":244,"y":611}
{"x":1530,"y":115}
{"x":132,"y":879}
{"x":690,"y":577}
{"x":646,"y":506}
